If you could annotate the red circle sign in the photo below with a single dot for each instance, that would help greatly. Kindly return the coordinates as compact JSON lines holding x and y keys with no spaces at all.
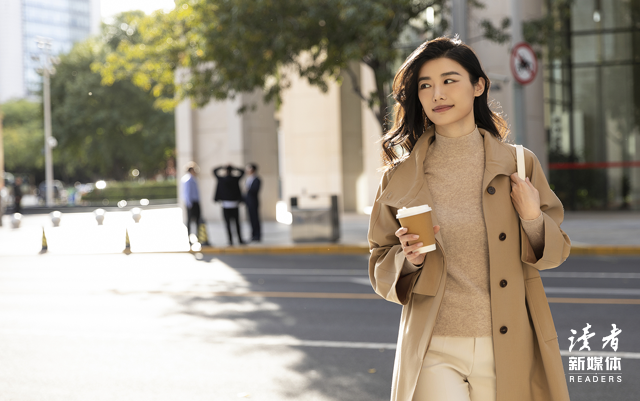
{"x":524,"y":63}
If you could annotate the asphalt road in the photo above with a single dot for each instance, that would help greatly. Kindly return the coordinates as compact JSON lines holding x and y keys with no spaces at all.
{"x":262,"y":327}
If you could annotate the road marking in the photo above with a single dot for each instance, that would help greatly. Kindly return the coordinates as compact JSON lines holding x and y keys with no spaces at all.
{"x":355,"y":280}
{"x":592,"y":290}
{"x":619,"y":301}
{"x":364,"y":272}
{"x":303,"y":272}
{"x":338,"y":295}
{"x":323,"y":295}
{"x":392,"y":346}
{"x":306,"y":343}
{"x":588,"y":275}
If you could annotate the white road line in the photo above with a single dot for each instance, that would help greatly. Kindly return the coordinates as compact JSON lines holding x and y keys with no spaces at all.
{"x":263,"y":341}
{"x":362,"y":345}
{"x":364,"y":272}
{"x":588,"y":275}
{"x":303,"y":272}
{"x":592,"y":291}
{"x":292,"y":342}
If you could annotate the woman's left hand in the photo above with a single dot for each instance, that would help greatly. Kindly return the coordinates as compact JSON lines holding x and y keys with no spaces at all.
{"x":525,"y":197}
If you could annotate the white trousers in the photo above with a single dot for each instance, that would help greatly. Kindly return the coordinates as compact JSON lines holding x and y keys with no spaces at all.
{"x":458,"y":369}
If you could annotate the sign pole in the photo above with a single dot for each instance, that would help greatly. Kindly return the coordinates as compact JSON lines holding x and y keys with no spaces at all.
{"x":517,"y":122}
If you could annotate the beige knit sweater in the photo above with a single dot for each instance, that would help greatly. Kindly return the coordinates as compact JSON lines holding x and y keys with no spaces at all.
{"x":454,"y":170}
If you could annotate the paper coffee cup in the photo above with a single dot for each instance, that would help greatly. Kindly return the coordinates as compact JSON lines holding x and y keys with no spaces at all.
{"x":417,"y":220}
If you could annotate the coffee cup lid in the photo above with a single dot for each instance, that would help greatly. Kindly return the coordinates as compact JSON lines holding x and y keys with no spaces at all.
{"x":412,"y":211}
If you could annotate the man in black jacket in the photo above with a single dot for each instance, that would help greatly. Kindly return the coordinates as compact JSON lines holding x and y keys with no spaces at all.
{"x":228,"y":192}
{"x":252,"y":185}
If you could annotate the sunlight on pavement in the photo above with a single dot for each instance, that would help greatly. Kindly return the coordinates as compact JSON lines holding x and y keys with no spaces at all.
{"x":159,"y":230}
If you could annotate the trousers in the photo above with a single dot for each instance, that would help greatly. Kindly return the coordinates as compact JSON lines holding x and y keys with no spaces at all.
{"x":193,"y":213}
{"x":232,"y":214}
{"x":458,"y":369}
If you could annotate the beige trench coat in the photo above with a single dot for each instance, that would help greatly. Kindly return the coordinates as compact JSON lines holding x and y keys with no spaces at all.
{"x":527,"y":355}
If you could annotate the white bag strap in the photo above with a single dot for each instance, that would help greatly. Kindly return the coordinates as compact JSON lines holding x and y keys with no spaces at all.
{"x":520,"y":157}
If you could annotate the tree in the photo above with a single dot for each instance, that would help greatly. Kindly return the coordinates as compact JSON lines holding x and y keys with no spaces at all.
{"x":106,"y":131}
{"x":229,"y":47}
{"x":23,"y":137}
{"x":237,"y":46}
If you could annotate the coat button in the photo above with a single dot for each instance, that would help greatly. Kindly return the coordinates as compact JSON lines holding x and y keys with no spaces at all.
{"x":491,"y":190}
{"x":503,"y":329}
{"x":502,"y":236}
{"x":503,"y":283}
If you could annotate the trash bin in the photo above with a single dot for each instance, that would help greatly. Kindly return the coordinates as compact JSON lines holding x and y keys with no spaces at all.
{"x":315,"y":224}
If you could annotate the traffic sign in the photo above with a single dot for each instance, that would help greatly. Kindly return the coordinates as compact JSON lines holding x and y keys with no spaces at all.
{"x":524,"y":63}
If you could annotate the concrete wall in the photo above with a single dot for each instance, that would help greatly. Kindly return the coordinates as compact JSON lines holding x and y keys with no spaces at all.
{"x":310,"y":122}
{"x":371,"y":135}
{"x":352,"y":149}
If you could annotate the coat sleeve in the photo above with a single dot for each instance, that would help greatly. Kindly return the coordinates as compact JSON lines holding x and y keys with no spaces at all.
{"x":557,"y":245}
{"x":392,"y":275}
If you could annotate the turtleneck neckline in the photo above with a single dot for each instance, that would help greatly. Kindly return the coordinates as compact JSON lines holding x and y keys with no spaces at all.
{"x":467,"y":136}
{"x":471,"y":140}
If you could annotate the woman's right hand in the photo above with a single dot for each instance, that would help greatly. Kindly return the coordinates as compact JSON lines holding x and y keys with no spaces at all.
{"x":409,"y":250}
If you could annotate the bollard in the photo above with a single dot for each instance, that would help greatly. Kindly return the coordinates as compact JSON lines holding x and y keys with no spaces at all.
{"x":44,"y":242}
{"x":16,"y":219}
{"x":136,"y":213}
{"x":202,"y":234}
{"x":55,"y":218}
{"x":127,"y":244}
{"x":99,"y":213}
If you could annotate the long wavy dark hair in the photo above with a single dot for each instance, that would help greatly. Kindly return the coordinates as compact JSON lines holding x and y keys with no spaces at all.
{"x":410,"y":120}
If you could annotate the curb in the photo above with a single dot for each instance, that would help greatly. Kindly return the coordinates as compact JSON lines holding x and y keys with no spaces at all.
{"x":364,"y":250}
{"x":330,"y":248}
{"x":605,"y":250}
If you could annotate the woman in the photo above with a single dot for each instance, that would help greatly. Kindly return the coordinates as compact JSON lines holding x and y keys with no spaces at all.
{"x":490,"y":334}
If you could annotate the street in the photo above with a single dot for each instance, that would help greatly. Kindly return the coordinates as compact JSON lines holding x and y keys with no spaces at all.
{"x":264,"y":327}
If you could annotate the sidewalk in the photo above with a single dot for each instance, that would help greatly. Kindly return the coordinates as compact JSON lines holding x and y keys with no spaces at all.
{"x":602,"y":233}
{"x":162,"y":230}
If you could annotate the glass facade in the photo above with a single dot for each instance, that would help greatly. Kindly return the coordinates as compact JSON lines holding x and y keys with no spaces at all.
{"x":592,"y":103}
{"x":64,"y":21}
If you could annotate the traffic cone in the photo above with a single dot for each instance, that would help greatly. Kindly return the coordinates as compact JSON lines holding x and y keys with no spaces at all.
{"x":127,"y":244}
{"x":202,"y":234}
{"x":44,"y":242}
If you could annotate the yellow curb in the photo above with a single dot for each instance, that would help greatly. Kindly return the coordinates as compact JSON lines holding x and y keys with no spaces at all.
{"x":287,"y":249}
{"x":617,"y":301}
{"x":605,"y":250}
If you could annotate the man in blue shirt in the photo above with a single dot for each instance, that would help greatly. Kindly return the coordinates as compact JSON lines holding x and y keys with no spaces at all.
{"x":191,"y":197}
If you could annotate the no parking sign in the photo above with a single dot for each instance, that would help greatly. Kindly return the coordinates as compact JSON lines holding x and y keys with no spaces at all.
{"x":524,"y":63}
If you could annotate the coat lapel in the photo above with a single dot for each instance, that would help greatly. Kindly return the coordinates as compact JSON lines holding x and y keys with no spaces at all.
{"x":407,"y":185}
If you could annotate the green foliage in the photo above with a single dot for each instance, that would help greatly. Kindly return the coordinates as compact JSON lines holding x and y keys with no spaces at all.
{"x":229,"y":47}
{"x":543,"y":31}
{"x":106,"y":131}
{"x":127,"y":190}
{"x":23,"y":137}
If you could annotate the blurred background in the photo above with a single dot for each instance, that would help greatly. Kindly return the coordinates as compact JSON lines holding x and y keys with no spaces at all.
{"x":103,"y":105}
{"x":311,"y":81}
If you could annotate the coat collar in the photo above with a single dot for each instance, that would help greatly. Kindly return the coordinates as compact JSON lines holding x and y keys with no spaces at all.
{"x":408,"y":178}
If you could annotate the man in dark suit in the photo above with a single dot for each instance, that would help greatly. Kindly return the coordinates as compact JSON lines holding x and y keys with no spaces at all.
{"x":228,"y":192}
{"x":252,"y":186}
